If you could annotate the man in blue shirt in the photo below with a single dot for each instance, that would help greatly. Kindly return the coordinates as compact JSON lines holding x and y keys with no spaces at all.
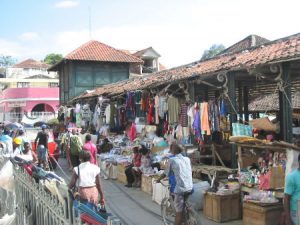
{"x":180,"y":166}
{"x":292,"y":196}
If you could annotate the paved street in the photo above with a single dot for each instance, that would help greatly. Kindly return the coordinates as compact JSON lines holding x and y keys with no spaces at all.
{"x":132,"y":206}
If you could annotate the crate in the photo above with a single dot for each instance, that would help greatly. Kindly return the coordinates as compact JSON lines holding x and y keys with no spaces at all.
{"x":146,"y":184}
{"x":277,"y":178}
{"x":121,"y":176}
{"x":254,"y":214}
{"x":222,"y":208}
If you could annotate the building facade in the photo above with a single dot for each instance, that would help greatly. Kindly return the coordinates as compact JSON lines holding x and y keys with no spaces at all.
{"x":28,"y":89}
{"x":92,"y":65}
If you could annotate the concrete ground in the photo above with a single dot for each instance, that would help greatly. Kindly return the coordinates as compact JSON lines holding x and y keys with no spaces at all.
{"x":131,"y":205}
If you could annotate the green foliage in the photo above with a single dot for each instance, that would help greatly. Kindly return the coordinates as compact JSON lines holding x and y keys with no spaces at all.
{"x":53,"y":58}
{"x":6,"y":61}
{"x":214,"y":50}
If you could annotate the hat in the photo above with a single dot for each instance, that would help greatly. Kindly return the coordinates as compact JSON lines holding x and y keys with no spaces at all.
{"x":44,"y":126}
{"x":18,"y":141}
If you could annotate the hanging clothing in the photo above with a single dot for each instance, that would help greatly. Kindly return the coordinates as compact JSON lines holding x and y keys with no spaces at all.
{"x":214,"y":116}
{"x":197,"y":125}
{"x":173,"y":109}
{"x":150,"y":115}
{"x":191,"y":115}
{"x":162,"y":106}
{"x":107,"y":114}
{"x":145,"y":101}
{"x":132,"y":132}
{"x":156,"y":105}
{"x":183,"y":120}
{"x":205,"y":127}
{"x":112,"y":122}
{"x":78,"y":119}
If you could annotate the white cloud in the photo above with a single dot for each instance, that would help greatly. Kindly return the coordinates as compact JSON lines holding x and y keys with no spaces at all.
{"x":29,"y":36}
{"x":10,"y":48}
{"x":66,"y":4}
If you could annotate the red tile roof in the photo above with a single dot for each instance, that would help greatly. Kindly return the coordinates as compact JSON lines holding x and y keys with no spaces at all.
{"x":97,"y":51}
{"x":248,"y":42}
{"x":31,"y":63}
{"x":280,"y":50}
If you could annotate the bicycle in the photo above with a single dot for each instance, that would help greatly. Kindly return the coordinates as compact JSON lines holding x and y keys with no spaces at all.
{"x":190,"y":216}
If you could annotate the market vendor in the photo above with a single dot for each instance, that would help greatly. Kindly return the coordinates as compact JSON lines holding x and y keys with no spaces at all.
{"x":145,"y":166}
{"x":136,"y":162}
{"x":292,"y":196}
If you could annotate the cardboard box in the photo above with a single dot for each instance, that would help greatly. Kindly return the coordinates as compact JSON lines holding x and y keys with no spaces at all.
{"x":254,"y":214}
{"x":222,"y":208}
{"x":277,"y":178}
{"x":146,"y":184}
{"x":121,"y":173}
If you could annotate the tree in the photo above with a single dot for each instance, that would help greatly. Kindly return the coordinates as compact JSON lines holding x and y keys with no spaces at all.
{"x":214,"y":50}
{"x":53,"y":58}
{"x":6,"y":61}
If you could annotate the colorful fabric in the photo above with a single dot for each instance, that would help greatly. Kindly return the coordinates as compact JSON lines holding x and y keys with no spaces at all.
{"x":197,"y":125}
{"x":205,"y":127}
{"x":150,"y":115}
{"x":132,"y":132}
{"x":156,"y":105}
{"x":145,"y":101}
{"x":183,"y":115}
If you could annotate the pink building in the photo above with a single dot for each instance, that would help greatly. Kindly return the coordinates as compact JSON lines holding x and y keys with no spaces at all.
{"x":35,"y":93}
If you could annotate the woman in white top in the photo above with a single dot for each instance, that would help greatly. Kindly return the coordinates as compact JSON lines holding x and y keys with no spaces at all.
{"x":89,"y":180}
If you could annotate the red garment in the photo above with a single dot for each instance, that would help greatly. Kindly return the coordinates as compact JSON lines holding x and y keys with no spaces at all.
{"x":150,"y":116}
{"x":137,"y":159}
{"x":89,"y":193}
{"x":132,"y":132}
{"x":91,"y":147}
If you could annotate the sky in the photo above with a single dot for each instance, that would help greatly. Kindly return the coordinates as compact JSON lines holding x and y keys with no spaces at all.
{"x":179,"y":30}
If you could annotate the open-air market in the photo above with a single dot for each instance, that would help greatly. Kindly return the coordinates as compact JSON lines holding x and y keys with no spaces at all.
{"x":97,"y":133}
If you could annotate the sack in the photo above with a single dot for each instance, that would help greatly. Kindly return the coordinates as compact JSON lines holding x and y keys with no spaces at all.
{"x":75,"y":145}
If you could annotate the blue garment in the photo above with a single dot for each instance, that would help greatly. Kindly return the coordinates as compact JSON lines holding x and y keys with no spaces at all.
{"x":292,"y":187}
{"x":223,"y":110}
{"x":196,"y":125}
{"x":182,"y":169}
{"x":172,"y":179}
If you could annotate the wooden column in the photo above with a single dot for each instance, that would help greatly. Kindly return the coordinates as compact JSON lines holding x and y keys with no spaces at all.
{"x":191,"y":90}
{"x":285,"y":108}
{"x":246,"y":102}
{"x":240,"y":93}
{"x":233,"y":116}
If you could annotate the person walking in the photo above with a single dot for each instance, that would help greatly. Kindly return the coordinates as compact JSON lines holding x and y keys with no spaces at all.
{"x":91,"y":147}
{"x":89,"y":185}
{"x":292,"y":196}
{"x":75,"y":148}
{"x":41,"y":143}
{"x":180,"y":166}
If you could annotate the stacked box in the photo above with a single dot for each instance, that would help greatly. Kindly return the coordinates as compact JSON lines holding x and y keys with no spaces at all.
{"x":254,"y":214}
{"x":222,"y":208}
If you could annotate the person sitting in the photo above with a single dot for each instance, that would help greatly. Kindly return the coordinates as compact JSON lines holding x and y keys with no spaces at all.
{"x":27,"y":154}
{"x":89,"y":185}
{"x":106,"y":146}
{"x":145,"y":165}
{"x":136,"y":162}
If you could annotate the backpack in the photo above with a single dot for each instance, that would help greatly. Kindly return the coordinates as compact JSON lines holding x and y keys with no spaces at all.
{"x":75,"y":145}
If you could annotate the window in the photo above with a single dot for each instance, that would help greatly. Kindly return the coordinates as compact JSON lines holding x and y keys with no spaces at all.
{"x":23,"y":84}
{"x":53,"y":84}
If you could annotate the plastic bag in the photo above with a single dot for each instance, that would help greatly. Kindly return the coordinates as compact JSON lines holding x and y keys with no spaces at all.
{"x":7,"y":178}
{"x":196,"y":199}
{"x":8,"y":219}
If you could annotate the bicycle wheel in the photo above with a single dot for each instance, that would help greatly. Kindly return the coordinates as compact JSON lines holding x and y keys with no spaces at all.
{"x":167,"y":212}
{"x":192,"y":217}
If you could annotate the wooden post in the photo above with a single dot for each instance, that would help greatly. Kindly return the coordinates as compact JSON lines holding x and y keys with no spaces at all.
{"x":240,"y":92}
{"x":246,"y":103}
{"x":285,"y":107}
{"x":233,"y":116}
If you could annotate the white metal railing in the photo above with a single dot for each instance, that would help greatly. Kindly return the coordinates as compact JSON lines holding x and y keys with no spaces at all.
{"x":36,"y":206}
{"x":17,"y":117}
